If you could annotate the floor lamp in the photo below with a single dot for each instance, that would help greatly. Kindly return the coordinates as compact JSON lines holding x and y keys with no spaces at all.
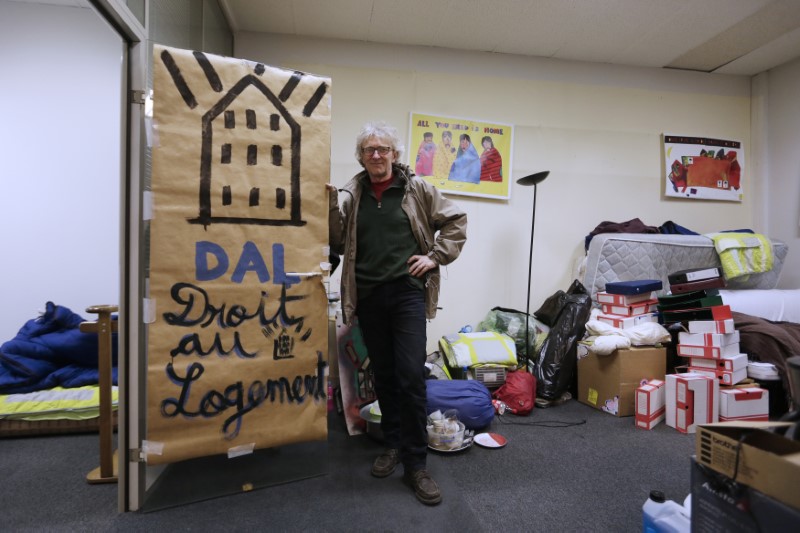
{"x":533,"y":179}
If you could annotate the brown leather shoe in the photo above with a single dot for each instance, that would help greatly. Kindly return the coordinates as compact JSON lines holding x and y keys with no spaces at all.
{"x":386,"y":462}
{"x":424,"y":486}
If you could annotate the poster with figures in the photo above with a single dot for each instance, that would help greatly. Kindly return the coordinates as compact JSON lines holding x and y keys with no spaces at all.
{"x":237,"y":329}
{"x":356,"y":380}
{"x":703,"y":168}
{"x":462,"y":156}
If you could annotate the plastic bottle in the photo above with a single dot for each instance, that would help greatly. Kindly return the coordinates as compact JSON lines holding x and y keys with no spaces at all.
{"x":664,"y":516}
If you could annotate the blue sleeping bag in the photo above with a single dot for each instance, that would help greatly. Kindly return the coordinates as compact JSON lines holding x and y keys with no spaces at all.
{"x":51,"y":351}
{"x":471,"y":398}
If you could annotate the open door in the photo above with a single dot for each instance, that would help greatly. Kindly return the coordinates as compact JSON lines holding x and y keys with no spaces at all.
{"x":235,"y":312}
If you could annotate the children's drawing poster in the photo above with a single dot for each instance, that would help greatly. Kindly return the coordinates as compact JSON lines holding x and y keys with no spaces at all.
{"x":356,"y":380}
{"x":462,"y":156}
{"x":237,"y":333}
{"x":703,"y":168}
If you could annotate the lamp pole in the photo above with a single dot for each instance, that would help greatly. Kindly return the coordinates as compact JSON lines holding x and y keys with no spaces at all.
{"x":533,"y":179}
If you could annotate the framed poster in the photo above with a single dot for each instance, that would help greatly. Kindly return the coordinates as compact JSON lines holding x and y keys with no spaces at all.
{"x":703,"y":168}
{"x":462,"y":156}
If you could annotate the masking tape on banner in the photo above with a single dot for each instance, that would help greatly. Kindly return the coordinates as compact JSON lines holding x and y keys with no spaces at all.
{"x":150,"y":127}
{"x":150,"y":447}
{"x":326,"y":251}
{"x":148,"y":310}
{"x":244,"y":449}
{"x":325,"y":266}
{"x":147,"y":205}
{"x":304,"y":274}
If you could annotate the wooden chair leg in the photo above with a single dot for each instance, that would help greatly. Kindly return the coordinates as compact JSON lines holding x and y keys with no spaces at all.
{"x":104,"y":327}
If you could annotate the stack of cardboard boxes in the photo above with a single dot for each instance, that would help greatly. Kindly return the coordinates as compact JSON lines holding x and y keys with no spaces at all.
{"x":628,"y":304}
{"x":609,"y":382}
{"x":634,"y":381}
{"x":710,"y":390}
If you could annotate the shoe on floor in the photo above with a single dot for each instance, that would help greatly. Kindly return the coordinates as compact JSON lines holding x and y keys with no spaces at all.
{"x":424,"y":486}
{"x":386,"y":462}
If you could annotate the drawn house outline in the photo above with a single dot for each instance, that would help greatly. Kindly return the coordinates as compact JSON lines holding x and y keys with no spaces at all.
{"x":209,"y":150}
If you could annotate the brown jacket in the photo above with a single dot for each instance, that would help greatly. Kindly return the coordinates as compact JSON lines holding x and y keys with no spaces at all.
{"x":429,"y":213}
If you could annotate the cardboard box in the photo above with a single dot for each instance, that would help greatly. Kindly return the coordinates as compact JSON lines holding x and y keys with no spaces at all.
{"x":744,"y":403}
{"x":650,"y":404}
{"x":720,"y":504}
{"x":747,"y":452}
{"x":609,"y":382}
{"x":691,"y":399}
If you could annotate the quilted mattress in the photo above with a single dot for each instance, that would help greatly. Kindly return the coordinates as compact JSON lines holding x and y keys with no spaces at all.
{"x":630,"y":256}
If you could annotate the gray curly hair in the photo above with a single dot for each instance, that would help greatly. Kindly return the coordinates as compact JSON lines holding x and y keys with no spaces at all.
{"x":380,"y":130}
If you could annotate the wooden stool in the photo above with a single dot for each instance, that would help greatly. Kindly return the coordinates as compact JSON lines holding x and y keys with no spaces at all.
{"x":108,"y":471}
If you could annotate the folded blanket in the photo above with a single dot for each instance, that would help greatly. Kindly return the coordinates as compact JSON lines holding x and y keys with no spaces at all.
{"x":769,"y":342}
{"x":742,"y":254}
{"x":470,"y":349}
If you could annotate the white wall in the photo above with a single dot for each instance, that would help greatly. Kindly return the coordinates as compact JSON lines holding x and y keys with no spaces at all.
{"x":60,"y":153}
{"x":597,"y":129}
{"x":783,"y":156}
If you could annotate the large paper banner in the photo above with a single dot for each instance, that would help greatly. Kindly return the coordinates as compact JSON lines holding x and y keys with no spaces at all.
{"x":462,"y":156}
{"x":703,"y":168}
{"x":237,"y":346}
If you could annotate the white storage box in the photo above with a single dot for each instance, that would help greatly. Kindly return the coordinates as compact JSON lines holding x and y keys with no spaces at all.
{"x":691,"y":399}
{"x":650,"y":404}
{"x":711,"y":326}
{"x":743,"y":403}
{"x":708,"y":339}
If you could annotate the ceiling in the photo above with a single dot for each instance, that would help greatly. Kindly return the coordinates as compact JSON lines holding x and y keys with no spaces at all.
{"x":743,"y":37}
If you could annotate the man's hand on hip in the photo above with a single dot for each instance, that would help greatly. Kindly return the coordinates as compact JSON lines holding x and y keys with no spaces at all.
{"x":418,"y":265}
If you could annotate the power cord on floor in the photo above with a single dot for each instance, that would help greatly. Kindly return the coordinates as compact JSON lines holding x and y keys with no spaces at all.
{"x":541,"y":423}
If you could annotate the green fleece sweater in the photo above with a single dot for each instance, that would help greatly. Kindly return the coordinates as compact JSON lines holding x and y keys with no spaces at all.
{"x":385,"y":240}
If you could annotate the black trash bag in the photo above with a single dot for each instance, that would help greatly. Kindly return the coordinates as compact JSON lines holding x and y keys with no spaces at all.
{"x":552,"y":306}
{"x":556,"y":360}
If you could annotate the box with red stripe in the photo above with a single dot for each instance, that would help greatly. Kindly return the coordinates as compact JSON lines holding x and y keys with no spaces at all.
{"x":711,"y":326}
{"x":650,"y":405}
{"x":708,"y":339}
{"x":691,"y":399}
{"x":708,"y":352}
{"x":743,"y":403}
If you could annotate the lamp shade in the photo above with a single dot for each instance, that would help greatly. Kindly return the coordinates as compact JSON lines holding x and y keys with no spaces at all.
{"x":534,"y":179}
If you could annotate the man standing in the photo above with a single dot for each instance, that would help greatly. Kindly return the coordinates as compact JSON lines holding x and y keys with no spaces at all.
{"x":393,"y":231}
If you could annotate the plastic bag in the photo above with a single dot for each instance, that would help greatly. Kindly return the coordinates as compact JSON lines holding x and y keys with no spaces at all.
{"x":512,"y":323}
{"x":557,"y":357}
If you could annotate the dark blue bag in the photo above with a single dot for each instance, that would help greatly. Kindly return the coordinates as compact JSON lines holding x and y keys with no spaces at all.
{"x":471,"y":398}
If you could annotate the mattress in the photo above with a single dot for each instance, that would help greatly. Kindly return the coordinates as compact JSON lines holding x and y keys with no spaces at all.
{"x":631,"y":256}
{"x":776,"y":305}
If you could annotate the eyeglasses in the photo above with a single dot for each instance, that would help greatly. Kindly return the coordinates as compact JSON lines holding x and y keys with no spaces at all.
{"x":369,"y":151}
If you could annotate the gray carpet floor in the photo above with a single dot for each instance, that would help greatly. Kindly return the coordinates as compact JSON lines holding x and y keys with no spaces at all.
{"x":565,"y":468}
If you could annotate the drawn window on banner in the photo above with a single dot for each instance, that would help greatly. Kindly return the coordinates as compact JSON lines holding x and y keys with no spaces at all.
{"x":703,"y":168}
{"x":462,"y":156}
{"x":237,"y":350}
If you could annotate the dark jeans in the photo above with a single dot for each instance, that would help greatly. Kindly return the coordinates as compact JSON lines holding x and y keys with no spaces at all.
{"x":392,"y":321}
